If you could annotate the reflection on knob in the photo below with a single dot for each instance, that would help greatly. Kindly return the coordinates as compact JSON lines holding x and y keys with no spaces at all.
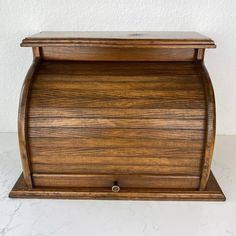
{"x":115,"y":188}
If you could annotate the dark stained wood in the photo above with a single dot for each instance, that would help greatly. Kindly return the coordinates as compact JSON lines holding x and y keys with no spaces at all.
{"x":22,"y":121}
{"x":121,"y":71}
{"x":212,"y":192}
{"x":124,"y":109}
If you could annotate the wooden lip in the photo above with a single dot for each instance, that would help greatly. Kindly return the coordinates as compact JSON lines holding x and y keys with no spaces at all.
{"x":120,"y":39}
{"x":211,"y":193}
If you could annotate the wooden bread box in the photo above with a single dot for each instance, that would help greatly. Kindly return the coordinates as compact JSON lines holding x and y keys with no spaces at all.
{"x":117,"y":115}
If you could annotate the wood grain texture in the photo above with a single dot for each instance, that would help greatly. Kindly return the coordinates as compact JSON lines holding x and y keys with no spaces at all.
{"x":135,"y":109}
{"x":113,"y":143}
{"x":116,"y":123}
{"x":210,"y":129}
{"x":107,"y":88}
{"x":123,"y":39}
{"x":106,"y":181}
{"x":113,"y":160}
{"x":121,"y":71}
{"x":49,"y":75}
{"x":118,"y":113}
{"x":22,"y":121}
{"x":107,"y":122}
{"x":134,"y":89}
{"x":88,"y":53}
{"x":118,"y":152}
{"x":153,"y":134}
{"x":115,"y":156}
{"x":135,"y":103}
{"x":89,"y":168}
{"x":212,"y":192}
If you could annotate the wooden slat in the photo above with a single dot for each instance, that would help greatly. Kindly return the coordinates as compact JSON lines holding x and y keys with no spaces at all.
{"x":73,"y":102}
{"x":125,"y":181}
{"x":81,"y":121}
{"x":116,"y":123}
{"x":39,"y":158}
{"x":118,"y":169}
{"x":60,"y":152}
{"x":178,"y":81}
{"x":154,"y":134}
{"x":112,"y":87}
{"x":99,"y":156}
{"x":117,"y":113}
{"x":81,"y":92}
{"x":160,"y":92}
{"x":112,"y":143}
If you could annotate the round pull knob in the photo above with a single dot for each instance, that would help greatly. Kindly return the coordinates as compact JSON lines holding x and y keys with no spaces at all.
{"x":115,"y":188}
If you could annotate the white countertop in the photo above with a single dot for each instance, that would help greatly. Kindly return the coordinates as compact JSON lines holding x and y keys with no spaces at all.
{"x":35,"y":217}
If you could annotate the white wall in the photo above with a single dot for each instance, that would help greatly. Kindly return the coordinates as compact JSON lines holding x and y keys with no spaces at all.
{"x":214,"y":18}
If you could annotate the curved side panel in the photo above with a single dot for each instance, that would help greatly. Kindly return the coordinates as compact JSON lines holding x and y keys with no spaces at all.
{"x":22,"y":122}
{"x":210,"y":129}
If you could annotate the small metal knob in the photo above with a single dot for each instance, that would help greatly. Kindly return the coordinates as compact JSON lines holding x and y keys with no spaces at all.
{"x":115,"y":188}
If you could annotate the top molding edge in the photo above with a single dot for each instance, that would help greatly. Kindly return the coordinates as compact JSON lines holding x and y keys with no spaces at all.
{"x":144,"y":39}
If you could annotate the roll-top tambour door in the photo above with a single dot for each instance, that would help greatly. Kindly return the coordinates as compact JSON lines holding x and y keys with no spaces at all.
{"x":109,"y":119}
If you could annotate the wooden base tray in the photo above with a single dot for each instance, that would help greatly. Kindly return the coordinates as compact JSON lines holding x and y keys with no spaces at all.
{"x":213,"y":192}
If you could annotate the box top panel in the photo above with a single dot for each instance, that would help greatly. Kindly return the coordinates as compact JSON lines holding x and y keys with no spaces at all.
{"x":151,"y":39}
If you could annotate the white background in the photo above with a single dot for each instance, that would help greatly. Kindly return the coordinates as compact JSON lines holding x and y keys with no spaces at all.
{"x":214,"y":18}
